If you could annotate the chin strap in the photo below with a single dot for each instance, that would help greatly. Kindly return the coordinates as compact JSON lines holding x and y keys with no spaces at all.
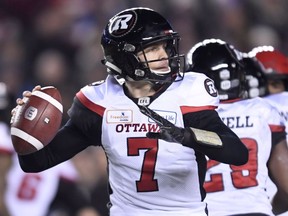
{"x":158,"y":72}
{"x":111,"y":66}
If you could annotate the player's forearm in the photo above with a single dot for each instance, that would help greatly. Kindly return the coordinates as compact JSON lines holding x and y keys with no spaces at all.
{"x":67,"y":143}
{"x":229,"y":149}
{"x":232,"y":151}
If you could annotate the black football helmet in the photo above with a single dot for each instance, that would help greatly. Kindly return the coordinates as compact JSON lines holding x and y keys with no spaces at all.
{"x":222,"y":63}
{"x":256,"y":81}
{"x":130,"y":32}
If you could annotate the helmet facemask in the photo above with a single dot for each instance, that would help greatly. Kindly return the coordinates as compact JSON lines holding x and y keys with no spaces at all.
{"x":142,"y":70}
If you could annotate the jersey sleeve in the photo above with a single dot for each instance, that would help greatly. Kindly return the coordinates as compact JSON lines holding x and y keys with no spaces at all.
{"x":88,"y":121}
{"x":201,"y":94}
{"x":275,"y":121}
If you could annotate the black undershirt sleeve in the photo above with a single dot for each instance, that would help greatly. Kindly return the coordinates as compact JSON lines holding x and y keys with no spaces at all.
{"x":233,"y":150}
{"x":82,"y":130}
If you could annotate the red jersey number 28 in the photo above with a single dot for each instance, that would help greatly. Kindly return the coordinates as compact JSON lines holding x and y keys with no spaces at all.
{"x":242,"y":176}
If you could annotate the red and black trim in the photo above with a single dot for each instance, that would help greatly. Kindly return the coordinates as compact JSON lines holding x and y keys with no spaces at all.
{"x":191,"y":109}
{"x":89,"y":104}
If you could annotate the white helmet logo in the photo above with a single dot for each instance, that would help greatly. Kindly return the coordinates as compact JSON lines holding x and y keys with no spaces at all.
{"x":122,"y":24}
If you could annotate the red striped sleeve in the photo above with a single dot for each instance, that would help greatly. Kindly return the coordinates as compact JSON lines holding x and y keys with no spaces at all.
{"x":277,"y":128}
{"x":189,"y":109}
{"x":87,"y":103}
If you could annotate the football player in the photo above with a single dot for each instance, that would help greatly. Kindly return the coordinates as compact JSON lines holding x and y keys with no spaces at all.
{"x":32,"y":193}
{"x":241,"y":190}
{"x":275,"y":74}
{"x":155,"y":125}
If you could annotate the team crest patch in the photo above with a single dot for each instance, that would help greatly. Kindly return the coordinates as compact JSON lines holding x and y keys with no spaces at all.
{"x":210,"y":87}
{"x":119,"y":116}
{"x":122,"y":23}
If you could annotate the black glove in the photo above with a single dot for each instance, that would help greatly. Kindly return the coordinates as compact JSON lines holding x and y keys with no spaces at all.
{"x":168,"y":131}
{"x":186,"y":136}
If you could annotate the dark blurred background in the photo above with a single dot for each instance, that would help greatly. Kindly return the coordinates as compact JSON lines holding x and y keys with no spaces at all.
{"x":57,"y":42}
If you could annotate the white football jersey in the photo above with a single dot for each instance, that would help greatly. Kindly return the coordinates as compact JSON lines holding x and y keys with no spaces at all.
{"x":31,"y":193}
{"x":5,"y":140}
{"x":242,"y":189}
{"x":150,"y":174}
{"x":280,"y":101}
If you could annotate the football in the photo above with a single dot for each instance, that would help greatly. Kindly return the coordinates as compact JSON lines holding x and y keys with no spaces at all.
{"x":36,"y":122}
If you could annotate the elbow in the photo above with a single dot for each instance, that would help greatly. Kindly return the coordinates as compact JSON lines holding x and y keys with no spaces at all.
{"x":27,"y":166}
{"x":28,"y":169}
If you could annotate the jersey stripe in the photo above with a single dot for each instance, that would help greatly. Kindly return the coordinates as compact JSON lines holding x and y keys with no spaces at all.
{"x":90,"y":105}
{"x":277,"y":128}
{"x":189,"y":109}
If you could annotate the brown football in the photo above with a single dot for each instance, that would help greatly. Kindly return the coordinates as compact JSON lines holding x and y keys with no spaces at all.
{"x":36,"y":122}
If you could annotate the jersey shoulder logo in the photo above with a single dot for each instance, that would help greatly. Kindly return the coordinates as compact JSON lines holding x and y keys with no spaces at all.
{"x":210,"y":87}
{"x":122,"y":24}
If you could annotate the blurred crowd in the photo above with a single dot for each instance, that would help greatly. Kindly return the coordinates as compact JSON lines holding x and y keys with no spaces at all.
{"x":57,"y":42}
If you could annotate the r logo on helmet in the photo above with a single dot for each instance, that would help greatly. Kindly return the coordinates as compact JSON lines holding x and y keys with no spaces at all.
{"x":210,"y":88}
{"x":122,"y":24}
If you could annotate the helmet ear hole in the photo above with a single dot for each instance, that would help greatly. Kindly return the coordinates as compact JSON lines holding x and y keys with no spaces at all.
{"x":129,"y":63}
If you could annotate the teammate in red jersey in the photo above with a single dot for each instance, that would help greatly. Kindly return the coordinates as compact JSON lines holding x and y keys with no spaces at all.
{"x":241,"y":190}
{"x":155,"y":124}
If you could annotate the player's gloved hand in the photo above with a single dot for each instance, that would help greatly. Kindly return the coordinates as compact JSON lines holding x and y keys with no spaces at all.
{"x":168,"y":131}
{"x":186,"y":136}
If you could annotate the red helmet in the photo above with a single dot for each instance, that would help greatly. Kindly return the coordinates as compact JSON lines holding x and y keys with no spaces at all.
{"x":275,"y":62}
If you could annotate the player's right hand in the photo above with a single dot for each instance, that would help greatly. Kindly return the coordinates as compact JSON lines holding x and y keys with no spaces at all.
{"x":21,"y":101}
